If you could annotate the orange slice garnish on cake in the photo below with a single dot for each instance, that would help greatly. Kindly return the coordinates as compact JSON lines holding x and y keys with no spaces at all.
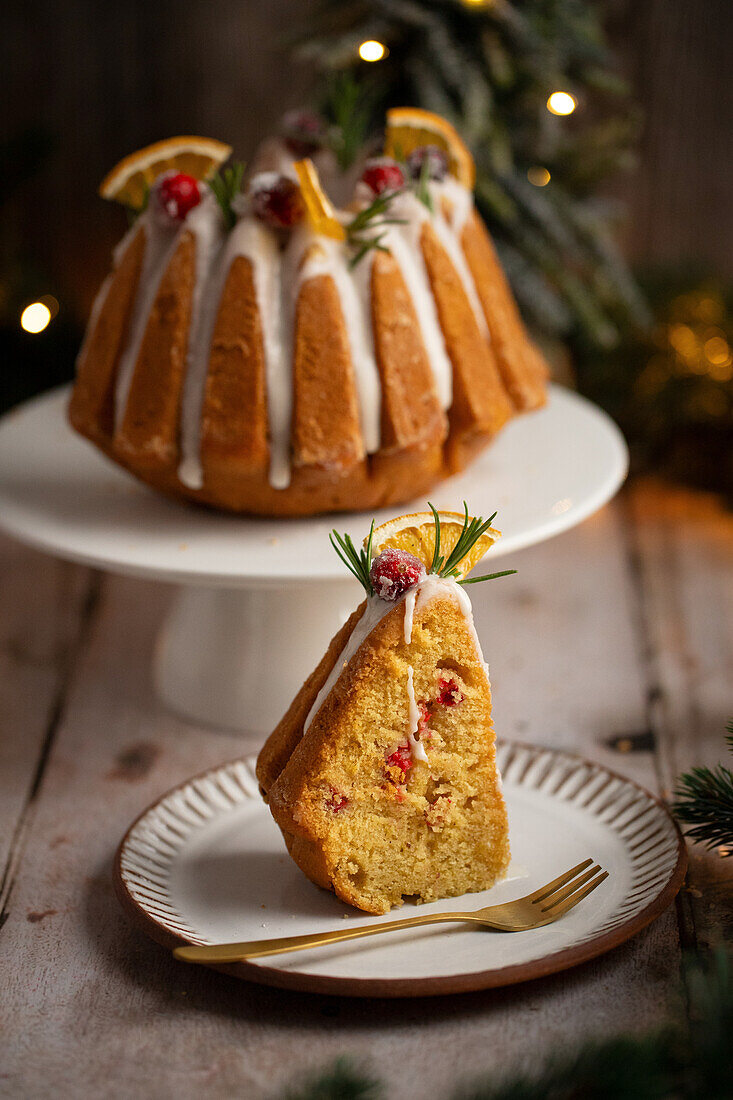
{"x":131,"y":179}
{"x":319,"y":209}
{"x":415,"y":533}
{"x":409,"y":128}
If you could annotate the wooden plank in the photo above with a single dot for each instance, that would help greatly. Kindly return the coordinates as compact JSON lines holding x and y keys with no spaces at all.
{"x":88,"y":1001}
{"x":684,"y":550}
{"x":43,"y":605}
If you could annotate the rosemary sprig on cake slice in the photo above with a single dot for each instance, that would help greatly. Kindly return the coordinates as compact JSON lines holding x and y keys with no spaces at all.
{"x":402,"y":552}
{"x":358,"y":562}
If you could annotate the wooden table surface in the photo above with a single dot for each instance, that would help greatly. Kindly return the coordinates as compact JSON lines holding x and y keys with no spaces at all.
{"x":615,"y":640}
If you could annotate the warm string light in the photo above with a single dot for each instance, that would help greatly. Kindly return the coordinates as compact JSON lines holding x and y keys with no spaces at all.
{"x":561,"y":103}
{"x":692,"y":342}
{"x":38,"y":315}
{"x":538,"y":177}
{"x":371,"y":50}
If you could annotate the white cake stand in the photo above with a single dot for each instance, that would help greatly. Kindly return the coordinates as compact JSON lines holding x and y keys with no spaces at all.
{"x":260,"y":598}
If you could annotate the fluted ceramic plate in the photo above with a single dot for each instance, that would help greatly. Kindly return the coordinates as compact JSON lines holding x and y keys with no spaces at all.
{"x":207,"y":864}
{"x":545,"y":473}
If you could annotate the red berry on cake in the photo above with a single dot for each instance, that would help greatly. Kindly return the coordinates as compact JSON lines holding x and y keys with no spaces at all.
{"x":276,"y":200}
{"x":383,"y":174}
{"x":449,"y":693}
{"x":304,"y":132}
{"x":394,"y":571}
{"x":436,"y":159}
{"x":177,"y":194}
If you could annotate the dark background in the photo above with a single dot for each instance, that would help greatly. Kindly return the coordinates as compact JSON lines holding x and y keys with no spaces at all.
{"x":87,"y":82}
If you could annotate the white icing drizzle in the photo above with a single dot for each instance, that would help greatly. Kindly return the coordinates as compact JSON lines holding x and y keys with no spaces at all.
{"x":206,"y":224}
{"x":409,"y":612}
{"x":161,"y":240}
{"x":403,"y":242}
{"x":428,"y":589}
{"x":448,"y":233}
{"x":413,"y":717}
{"x":250,"y":239}
{"x":460,"y":200}
{"x":279,"y":278}
{"x":311,"y":255}
{"x":374,"y":611}
{"x":434,"y":586}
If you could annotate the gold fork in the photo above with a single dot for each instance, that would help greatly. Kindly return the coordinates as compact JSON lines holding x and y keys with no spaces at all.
{"x":549,"y":903}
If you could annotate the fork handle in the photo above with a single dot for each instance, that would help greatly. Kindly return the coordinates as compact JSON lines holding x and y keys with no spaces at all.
{"x":254,"y":949}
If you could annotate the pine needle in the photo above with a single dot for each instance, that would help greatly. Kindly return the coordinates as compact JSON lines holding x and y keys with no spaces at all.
{"x":704,"y":799}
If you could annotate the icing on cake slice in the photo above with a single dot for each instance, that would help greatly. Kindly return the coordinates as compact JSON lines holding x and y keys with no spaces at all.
{"x":382,"y":776}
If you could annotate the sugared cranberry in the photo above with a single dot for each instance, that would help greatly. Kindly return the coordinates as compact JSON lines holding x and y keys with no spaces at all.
{"x":449,"y":693}
{"x":336,"y":801}
{"x":304,"y":132}
{"x":177,"y":194}
{"x":436,"y":158}
{"x":276,"y":200}
{"x":401,"y":758}
{"x":394,"y":571}
{"x":383,"y":174}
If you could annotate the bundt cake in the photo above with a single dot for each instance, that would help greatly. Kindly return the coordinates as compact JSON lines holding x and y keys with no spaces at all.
{"x":382,"y":775}
{"x":263,"y":352}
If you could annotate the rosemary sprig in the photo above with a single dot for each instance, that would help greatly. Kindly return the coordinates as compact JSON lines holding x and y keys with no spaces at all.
{"x":471,"y":532}
{"x":374,"y":216}
{"x":226,"y":185}
{"x":422,"y":191}
{"x":358,"y":562}
{"x":350,"y":105}
{"x":488,"y":576}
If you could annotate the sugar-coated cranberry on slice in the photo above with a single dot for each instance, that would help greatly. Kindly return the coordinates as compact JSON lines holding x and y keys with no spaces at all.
{"x":436,"y":158}
{"x":177,"y":194}
{"x":304,"y":132}
{"x":401,"y":758}
{"x":449,"y":693}
{"x":276,"y":200}
{"x":383,"y":174}
{"x":394,"y":571}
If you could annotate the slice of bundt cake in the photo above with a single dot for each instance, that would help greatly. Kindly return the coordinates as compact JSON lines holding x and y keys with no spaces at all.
{"x":382,"y":775}
{"x":261,"y":351}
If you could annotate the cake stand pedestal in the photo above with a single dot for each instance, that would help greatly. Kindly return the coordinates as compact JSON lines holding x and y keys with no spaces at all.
{"x":220,"y":651}
{"x":259,"y":599}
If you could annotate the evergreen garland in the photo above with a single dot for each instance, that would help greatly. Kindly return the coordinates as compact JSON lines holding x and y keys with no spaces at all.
{"x":489,"y":68}
{"x":704,"y":799}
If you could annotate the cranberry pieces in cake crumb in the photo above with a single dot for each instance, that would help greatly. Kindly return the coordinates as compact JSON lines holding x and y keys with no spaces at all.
{"x":436,"y":158}
{"x":276,"y":200}
{"x":177,"y":194}
{"x":394,"y":571}
{"x":336,"y":801}
{"x":401,"y":758}
{"x":449,"y":693}
{"x":383,"y":174}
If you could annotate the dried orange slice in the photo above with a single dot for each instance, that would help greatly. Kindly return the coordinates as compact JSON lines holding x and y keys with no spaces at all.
{"x":321,"y":214}
{"x":410,"y":127}
{"x":416,"y":534}
{"x":130,"y":180}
